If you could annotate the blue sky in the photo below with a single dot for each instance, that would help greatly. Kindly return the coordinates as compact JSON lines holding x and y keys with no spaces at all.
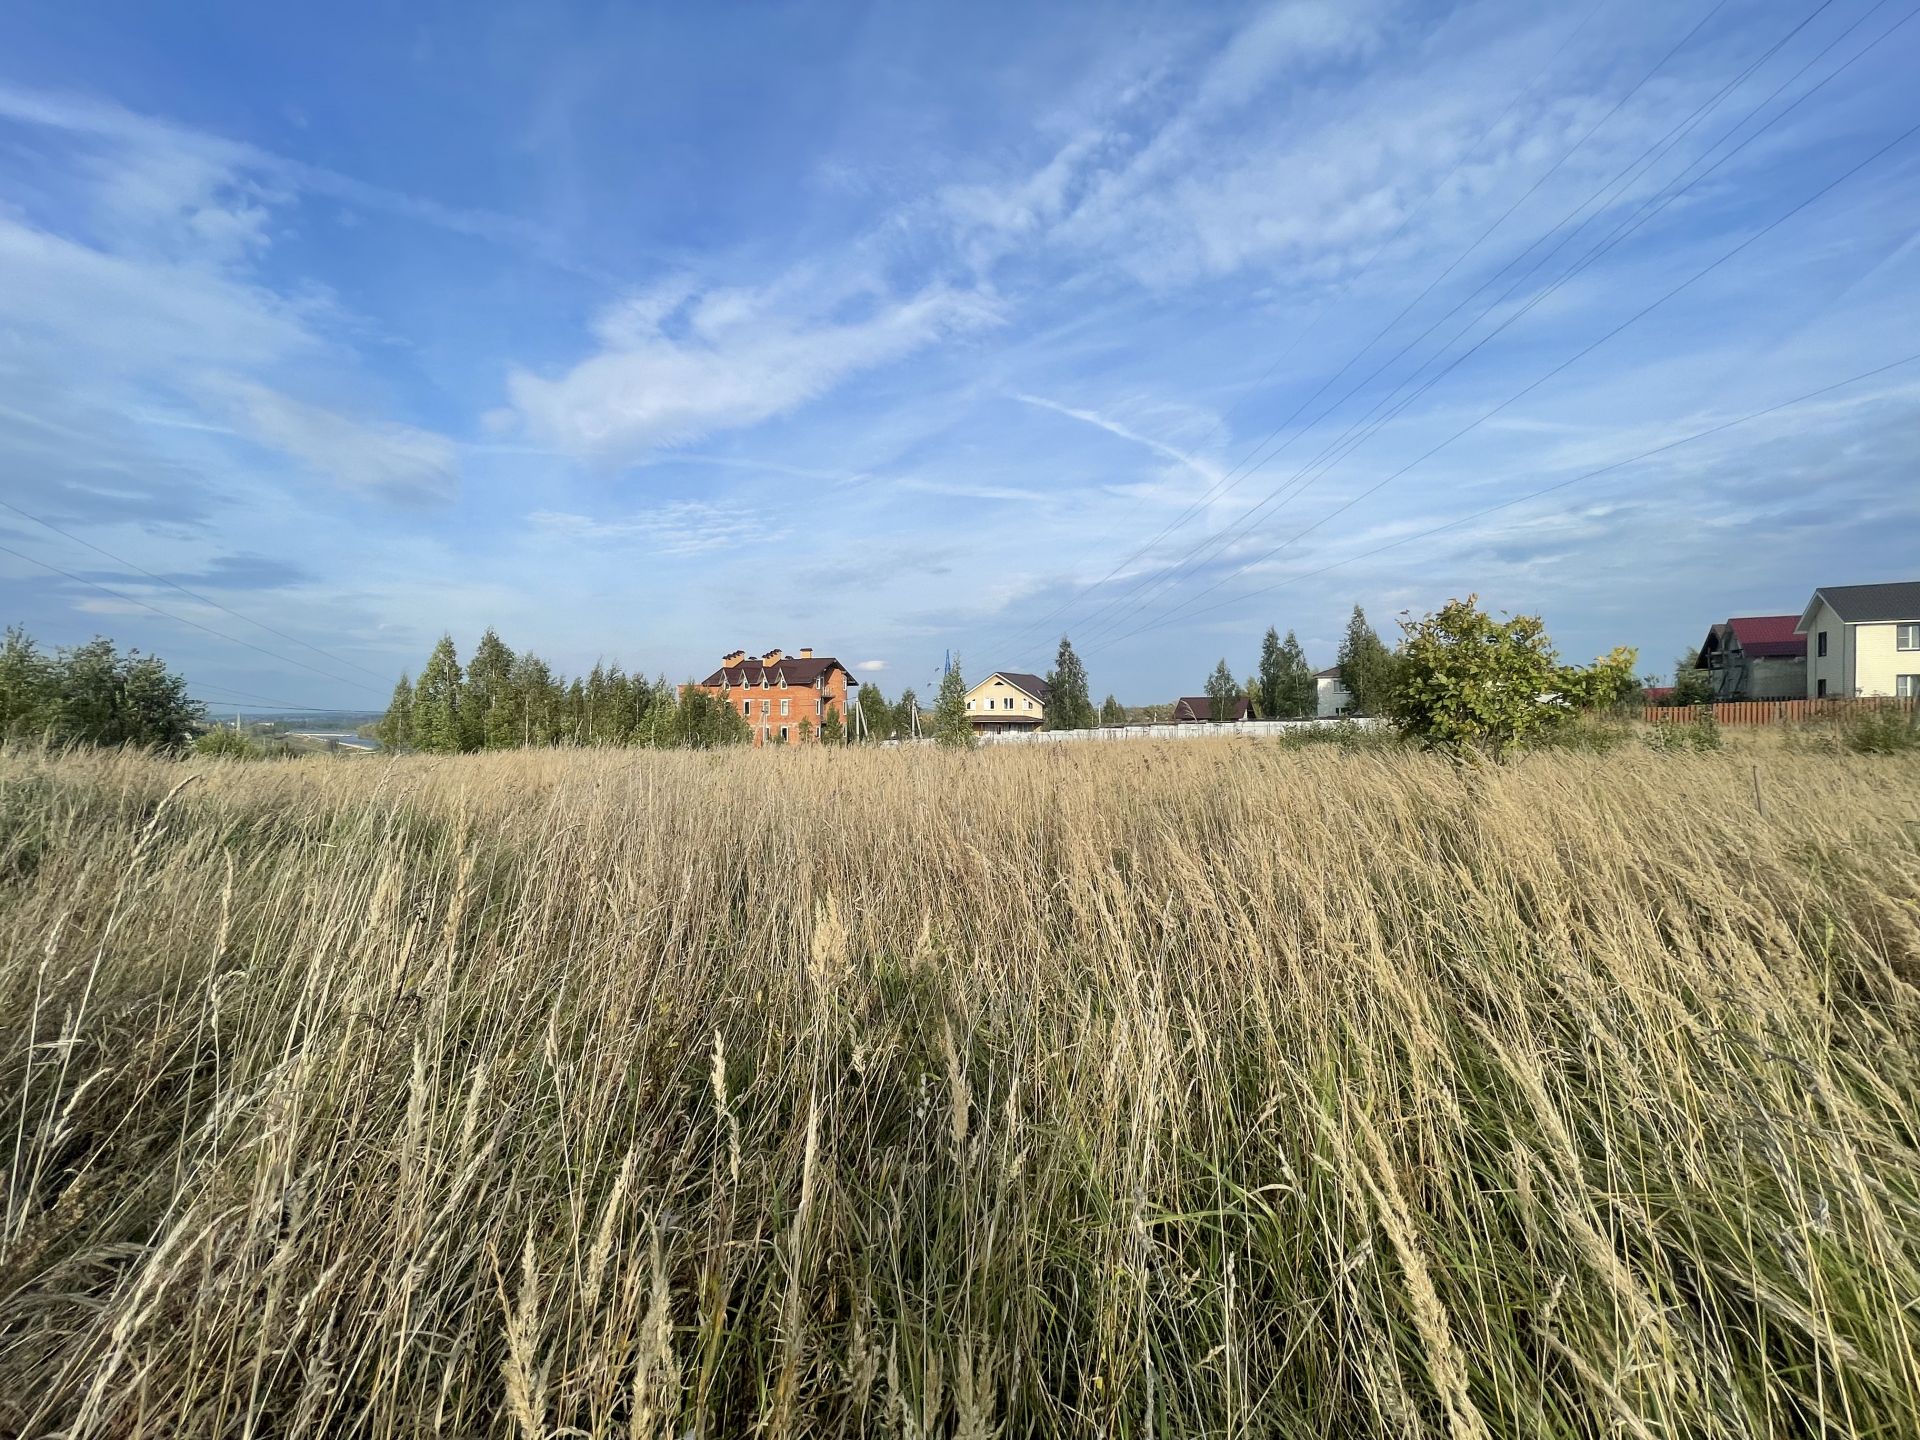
{"x":643,"y":333}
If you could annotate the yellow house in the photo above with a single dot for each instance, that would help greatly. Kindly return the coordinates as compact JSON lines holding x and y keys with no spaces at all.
{"x":1007,"y":700}
{"x":1863,"y":640}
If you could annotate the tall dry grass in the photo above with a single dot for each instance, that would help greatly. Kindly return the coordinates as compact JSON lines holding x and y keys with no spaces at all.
{"x":1198,"y":1090}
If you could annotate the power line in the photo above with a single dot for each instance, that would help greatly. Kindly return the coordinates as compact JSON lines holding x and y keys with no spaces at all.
{"x":1364,"y":428}
{"x":1557,"y":485}
{"x":1608,"y":244}
{"x":1248,"y":464}
{"x":190,"y":594}
{"x":1346,"y":288}
{"x":178,"y":619}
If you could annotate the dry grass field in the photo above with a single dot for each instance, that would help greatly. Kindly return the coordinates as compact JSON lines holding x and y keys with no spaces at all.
{"x":1208,"y":1089}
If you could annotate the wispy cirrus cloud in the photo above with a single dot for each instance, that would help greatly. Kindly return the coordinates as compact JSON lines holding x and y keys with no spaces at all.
{"x":679,"y":528}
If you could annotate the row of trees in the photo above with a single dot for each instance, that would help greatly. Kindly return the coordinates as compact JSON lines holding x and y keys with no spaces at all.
{"x":92,"y":694}
{"x":1283,"y":687}
{"x":501,"y":700}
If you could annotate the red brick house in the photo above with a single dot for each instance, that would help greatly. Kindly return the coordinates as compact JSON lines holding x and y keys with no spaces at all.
{"x":777,"y":691}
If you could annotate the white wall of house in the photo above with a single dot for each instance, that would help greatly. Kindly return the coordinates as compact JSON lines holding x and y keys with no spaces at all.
{"x":1878,"y":660}
{"x":1331,"y":697}
{"x":1864,"y":659}
{"x":1832,"y":666}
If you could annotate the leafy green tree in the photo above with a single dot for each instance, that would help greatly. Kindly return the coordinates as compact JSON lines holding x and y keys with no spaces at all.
{"x":220,"y":741}
{"x":103,"y":698}
{"x":876,"y":712}
{"x":395,"y":728}
{"x":1604,"y":685}
{"x":1112,"y":712}
{"x":1295,"y":695}
{"x":950,"y":723}
{"x":1366,"y":666}
{"x":1465,"y":679}
{"x":1069,"y":706}
{"x":1691,"y":684}
{"x":531,"y":715}
{"x":436,"y":703}
{"x":904,"y":711}
{"x":701,"y":720}
{"x":832,"y":732}
{"x":28,"y":694}
{"x":156,"y":710}
{"x":1223,"y":693}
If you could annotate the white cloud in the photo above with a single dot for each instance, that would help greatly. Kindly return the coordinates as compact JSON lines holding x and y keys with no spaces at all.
{"x":398,"y":463}
{"x":736,"y":361}
{"x":872,"y":665}
{"x":684,"y":527}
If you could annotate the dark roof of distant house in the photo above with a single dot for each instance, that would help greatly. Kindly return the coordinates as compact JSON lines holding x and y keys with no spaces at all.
{"x":1032,"y":684}
{"x":1332,"y":672}
{"x":1199,"y":707}
{"x":1768,"y":636}
{"x":796,"y":672}
{"x":1659,"y":692}
{"x":1856,"y":603}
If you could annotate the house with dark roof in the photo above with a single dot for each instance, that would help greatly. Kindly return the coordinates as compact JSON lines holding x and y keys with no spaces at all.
{"x":1331,"y":696}
{"x":1008,"y":700}
{"x":783,"y":698}
{"x":1198,"y":710}
{"x":1863,"y":640}
{"x":1756,"y":657}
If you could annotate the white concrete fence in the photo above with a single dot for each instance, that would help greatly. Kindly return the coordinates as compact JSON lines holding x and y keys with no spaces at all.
{"x":1167,"y":731}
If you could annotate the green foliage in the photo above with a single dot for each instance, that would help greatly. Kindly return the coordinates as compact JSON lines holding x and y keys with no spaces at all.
{"x":436,"y":703}
{"x":1467,"y":680}
{"x":229,"y":744}
{"x":1367,"y":667}
{"x":1069,"y":705}
{"x":875,"y":712}
{"x":1864,"y":729}
{"x":1346,"y":735}
{"x":1606,"y":684}
{"x":91,"y":694}
{"x":700,"y":720}
{"x":950,"y":723}
{"x":1112,"y":712}
{"x":1287,"y":690}
{"x":904,"y":712}
{"x":395,"y":728}
{"x":486,"y":721}
{"x":832,"y":732}
{"x":1697,"y":736}
{"x":1223,"y":693}
{"x":1691,"y":684}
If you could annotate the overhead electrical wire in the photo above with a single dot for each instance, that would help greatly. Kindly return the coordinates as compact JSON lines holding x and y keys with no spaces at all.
{"x":179,"y":619}
{"x":1248,"y":463}
{"x":1367,"y":426}
{"x":1648,"y":209}
{"x":1543,"y":490}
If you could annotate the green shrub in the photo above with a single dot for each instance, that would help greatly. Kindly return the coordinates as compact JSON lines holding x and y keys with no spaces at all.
{"x":1697,"y":736}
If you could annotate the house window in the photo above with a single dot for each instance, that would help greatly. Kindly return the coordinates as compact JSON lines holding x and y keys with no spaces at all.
{"x":1907,"y":687}
{"x":766,"y":707}
{"x":784,"y":703}
{"x":969,"y":704}
{"x":1820,"y":685}
{"x":783,"y":734}
{"x":746,"y":707}
{"x":1823,"y":643}
{"x":1907,"y":637}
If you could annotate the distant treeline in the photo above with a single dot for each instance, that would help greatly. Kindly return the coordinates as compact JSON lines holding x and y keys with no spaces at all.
{"x":92,"y":694}
{"x":501,"y":700}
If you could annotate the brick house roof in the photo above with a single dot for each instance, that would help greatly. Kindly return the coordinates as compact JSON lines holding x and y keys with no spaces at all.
{"x":1199,"y":707}
{"x":786,"y":671}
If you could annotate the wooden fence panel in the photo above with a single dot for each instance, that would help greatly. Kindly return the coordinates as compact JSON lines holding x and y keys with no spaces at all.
{"x":1770,"y":712}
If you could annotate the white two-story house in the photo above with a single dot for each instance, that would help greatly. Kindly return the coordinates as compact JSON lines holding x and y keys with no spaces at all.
{"x":1863,"y":640}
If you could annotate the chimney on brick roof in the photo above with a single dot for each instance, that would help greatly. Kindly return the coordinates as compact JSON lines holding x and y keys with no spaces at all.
{"x":732,"y":657}
{"x":806,"y":652}
{"x":772,"y":657}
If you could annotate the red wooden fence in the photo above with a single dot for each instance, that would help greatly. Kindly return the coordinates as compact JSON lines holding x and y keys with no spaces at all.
{"x":1769,"y":712}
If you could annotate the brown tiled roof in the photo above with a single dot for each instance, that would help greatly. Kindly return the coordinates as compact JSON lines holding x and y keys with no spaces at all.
{"x":1199,"y":707}
{"x":795,"y":672}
